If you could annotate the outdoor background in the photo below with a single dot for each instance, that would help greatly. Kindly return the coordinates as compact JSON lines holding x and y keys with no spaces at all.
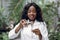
{"x":10,"y":14}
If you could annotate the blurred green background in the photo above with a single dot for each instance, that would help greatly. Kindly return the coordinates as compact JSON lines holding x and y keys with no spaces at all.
{"x":10,"y":14}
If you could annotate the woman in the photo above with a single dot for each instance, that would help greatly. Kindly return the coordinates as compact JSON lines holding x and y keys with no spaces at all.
{"x":31,"y":25}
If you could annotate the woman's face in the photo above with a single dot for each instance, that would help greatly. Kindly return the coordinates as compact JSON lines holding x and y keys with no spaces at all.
{"x":31,"y":13}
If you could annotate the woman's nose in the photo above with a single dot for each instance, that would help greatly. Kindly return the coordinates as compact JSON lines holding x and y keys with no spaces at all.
{"x":31,"y":13}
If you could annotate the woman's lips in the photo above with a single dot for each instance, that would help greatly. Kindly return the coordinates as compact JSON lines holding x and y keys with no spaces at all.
{"x":32,"y":16}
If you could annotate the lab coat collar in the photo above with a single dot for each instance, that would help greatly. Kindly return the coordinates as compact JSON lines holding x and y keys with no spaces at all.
{"x":35,"y":22}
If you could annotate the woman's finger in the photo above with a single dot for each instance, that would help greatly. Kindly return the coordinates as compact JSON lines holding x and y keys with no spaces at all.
{"x":35,"y":30}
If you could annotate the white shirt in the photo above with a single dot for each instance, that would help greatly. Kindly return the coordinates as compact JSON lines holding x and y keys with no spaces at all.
{"x":27,"y":34}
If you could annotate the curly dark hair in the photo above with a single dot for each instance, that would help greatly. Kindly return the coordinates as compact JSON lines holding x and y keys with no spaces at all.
{"x":38,"y":12}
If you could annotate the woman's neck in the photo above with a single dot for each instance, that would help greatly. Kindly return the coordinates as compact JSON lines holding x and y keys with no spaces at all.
{"x":32,"y":22}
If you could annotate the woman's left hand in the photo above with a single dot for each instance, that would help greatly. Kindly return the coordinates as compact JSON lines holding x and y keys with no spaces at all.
{"x":36,"y":31}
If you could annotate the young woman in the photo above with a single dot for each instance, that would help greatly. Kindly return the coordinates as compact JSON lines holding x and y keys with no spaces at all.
{"x":31,"y":25}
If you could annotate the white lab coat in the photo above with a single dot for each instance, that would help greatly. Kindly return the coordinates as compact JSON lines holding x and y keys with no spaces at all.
{"x":27,"y":34}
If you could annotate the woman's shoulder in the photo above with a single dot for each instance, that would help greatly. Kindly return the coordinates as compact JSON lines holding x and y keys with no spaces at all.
{"x":42,"y":23}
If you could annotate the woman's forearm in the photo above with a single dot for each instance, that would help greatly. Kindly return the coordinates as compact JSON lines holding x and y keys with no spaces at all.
{"x":18,"y":28}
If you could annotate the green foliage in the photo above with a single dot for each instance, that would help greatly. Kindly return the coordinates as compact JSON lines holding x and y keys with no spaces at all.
{"x":3,"y":24}
{"x":50,"y":11}
{"x":15,"y":9}
{"x":2,"y":18}
{"x":4,"y":36}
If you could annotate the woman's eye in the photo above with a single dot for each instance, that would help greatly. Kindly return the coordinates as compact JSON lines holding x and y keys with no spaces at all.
{"x":29,"y":11}
{"x":34,"y":11}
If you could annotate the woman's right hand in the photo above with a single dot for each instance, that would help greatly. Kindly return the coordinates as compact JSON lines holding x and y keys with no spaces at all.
{"x":23,"y":22}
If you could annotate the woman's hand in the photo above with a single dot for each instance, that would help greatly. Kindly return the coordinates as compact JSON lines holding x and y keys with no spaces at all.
{"x":21,"y":25}
{"x":23,"y":22}
{"x":37,"y":32}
